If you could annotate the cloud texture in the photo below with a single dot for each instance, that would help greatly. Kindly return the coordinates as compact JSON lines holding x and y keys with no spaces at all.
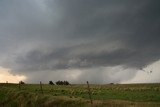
{"x":90,"y":36}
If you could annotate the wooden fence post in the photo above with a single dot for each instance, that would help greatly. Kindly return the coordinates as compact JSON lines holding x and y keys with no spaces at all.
{"x":41,"y":87}
{"x":19,"y":86}
{"x":89,"y":92}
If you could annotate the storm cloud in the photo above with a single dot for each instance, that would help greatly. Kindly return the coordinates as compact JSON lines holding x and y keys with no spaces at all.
{"x":89,"y":36}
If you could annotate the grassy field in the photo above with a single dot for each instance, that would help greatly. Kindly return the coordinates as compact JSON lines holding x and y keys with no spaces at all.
{"x":111,"y":95}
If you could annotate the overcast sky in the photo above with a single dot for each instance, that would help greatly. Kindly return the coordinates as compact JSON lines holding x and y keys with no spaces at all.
{"x":78,"y":40}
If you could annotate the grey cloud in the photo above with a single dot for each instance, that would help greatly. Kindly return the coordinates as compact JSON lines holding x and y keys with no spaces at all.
{"x":64,"y":58}
{"x":105,"y":75}
{"x":78,"y":34}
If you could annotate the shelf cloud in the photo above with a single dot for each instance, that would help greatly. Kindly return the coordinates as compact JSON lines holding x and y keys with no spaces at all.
{"x":79,"y":37}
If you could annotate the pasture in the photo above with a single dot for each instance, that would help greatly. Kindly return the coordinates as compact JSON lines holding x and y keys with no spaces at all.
{"x":76,"y":95}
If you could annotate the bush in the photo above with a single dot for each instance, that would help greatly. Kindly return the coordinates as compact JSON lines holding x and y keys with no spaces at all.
{"x":51,"y":83}
{"x":21,"y":82}
{"x":62,"y":83}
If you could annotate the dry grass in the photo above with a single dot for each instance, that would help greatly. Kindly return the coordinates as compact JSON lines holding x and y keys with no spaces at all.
{"x":127,"y":95}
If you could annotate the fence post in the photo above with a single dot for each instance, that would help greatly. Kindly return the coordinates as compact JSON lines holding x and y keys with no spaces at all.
{"x":41,"y":87}
{"x":89,"y":92}
{"x":19,"y":86}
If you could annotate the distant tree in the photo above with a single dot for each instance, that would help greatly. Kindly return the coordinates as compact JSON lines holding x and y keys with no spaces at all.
{"x":58,"y":83}
{"x":62,"y":83}
{"x":66,"y":83}
{"x":21,"y":82}
{"x":51,"y":83}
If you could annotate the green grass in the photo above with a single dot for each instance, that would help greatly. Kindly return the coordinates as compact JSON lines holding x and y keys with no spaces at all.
{"x":77,"y":95}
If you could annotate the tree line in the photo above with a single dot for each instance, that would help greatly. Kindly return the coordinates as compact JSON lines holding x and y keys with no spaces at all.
{"x":59,"y":83}
{"x":52,"y":83}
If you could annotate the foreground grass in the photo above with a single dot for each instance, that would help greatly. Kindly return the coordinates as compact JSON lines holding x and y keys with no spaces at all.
{"x":30,"y":95}
{"x":14,"y":98}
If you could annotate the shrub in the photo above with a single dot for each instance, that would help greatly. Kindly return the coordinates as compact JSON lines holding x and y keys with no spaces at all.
{"x":21,"y":82}
{"x":62,"y":83}
{"x":51,"y":83}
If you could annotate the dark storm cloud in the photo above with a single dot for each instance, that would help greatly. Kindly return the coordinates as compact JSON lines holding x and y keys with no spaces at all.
{"x":60,"y":34}
{"x":134,"y":23}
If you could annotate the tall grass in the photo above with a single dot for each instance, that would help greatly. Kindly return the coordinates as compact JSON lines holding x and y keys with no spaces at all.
{"x":126,"y":95}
